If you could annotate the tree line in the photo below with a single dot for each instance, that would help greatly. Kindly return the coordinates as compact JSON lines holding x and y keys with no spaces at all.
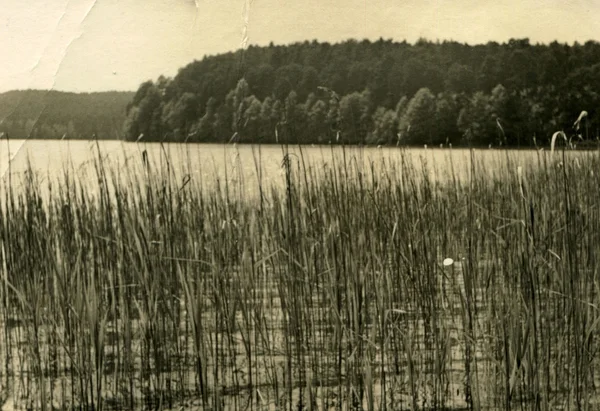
{"x":54,"y":114}
{"x":357,"y":92}
{"x":383,"y":92}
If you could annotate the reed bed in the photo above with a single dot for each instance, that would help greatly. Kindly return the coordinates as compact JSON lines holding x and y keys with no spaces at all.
{"x":347,"y":285}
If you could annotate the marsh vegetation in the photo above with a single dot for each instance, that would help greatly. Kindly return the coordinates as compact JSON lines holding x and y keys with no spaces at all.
{"x":349,"y":284}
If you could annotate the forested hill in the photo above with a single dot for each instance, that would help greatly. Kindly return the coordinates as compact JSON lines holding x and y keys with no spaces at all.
{"x":385,"y":92}
{"x":56,"y":114}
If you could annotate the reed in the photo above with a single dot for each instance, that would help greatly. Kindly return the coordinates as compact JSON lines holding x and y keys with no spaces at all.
{"x":354,"y":284}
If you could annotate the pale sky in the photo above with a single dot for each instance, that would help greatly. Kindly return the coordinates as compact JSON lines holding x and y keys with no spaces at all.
{"x":96,"y":45}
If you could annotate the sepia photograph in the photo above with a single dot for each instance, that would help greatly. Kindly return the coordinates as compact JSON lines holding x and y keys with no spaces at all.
{"x":267,"y":205}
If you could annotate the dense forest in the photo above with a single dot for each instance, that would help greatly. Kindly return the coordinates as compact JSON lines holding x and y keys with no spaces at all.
{"x":382,"y":92}
{"x":54,"y":114}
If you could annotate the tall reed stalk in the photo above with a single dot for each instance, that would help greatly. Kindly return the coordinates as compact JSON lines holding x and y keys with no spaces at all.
{"x":144,"y":286}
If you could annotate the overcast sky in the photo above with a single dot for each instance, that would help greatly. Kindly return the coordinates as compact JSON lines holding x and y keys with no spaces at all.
{"x":95,"y":45}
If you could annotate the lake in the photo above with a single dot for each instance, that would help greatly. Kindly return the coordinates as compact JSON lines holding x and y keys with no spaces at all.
{"x":332,"y":296}
{"x":217,"y":161}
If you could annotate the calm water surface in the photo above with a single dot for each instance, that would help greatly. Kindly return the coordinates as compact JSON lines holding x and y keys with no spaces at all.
{"x":249,"y":163}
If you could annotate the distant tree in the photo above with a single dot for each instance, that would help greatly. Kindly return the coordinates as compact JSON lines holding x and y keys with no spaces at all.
{"x":460,"y":79}
{"x":301,"y":121}
{"x":267,"y":122}
{"x":317,"y":121}
{"x":490,"y":73}
{"x":179,"y":115}
{"x":581,"y":91}
{"x":145,"y":88}
{"x":521,"y":71}
{"x":224,"y":119}
{"x":251,"y":120}
{"x":401,"y":107}
{"x":414,"y":76}
{"x":475,"y":121}
{"x":499,"y":111}
{"x":333,"y":118}
{"x":204,"y":129}
{"x":165,"y":87}
{"x":239,"y":101}
{"x":277,"y":117}
{"x":144,"y":118}
{"x":420,"y":74}
{"x":358,"y":76}
{"x":384,"y":127}
{"x":308,"y":83}
{"x":333,"y":76}
{"x":261,"y":79}
{"x":354,"y":116}
{"x":377,"y":81}
{"x":71,"y":131}
{"x":287,"y":78}
{"x":447,"y":109}
{"x":311,"y":99}
{"x":395,"y":80}
{"x":417,"y":125}
{"x":292,"y":118}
